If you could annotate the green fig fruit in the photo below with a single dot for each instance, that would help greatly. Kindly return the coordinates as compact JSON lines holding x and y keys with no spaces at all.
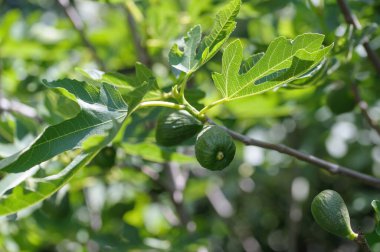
{"x":341,"y":100}
{"x":174,"y":127}
{"x":330,"y":212}
{"x":214,"y":148}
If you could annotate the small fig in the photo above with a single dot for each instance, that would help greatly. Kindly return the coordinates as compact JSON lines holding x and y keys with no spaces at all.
{"x":175,"y":127}
{"x":214,"y":148}
{"x":106,"y":158}
{"x":330,"y":212}
{"x":341,"y":100}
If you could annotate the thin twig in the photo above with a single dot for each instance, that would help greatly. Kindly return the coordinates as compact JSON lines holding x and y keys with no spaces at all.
{"x":14,"y":106}
{"x":352,"y":20}
{"x":79,"y":26}
{"x":364,"y":109}
{"x":330,"y":167}
{"x":175,"y":189}
{"x":362,"y":242}
{"x":142,"y":53}
{"x":1,"y":85}
{"x":95,"y":216}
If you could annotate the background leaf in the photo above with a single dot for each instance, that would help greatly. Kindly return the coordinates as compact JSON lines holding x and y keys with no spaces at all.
{"x":134,"y":88}
{"x":151,"y":152}
{"x":23,"y":197}
{"x":376,"y":206}
{"x":101,"y":111}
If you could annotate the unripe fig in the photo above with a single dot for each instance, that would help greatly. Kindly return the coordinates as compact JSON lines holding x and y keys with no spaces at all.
{"x":341,"y":100}
{"x":330,"y":212}
{"x":214,"y":148}
{"x":174,"y":127}
{"x":106,"y":158}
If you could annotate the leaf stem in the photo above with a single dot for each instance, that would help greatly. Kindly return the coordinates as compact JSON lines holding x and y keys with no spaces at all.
{"x":160,"y":104}
{"x":183,"y":85}
{"x":211,"y":105}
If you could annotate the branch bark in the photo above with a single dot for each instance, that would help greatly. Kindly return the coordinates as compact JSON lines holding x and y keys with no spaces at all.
{"x":79,"y":26}
{"x":352,"y":20}
{"x":328,"y":166}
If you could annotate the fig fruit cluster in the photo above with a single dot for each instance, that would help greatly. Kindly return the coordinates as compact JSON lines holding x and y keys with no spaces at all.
{"x":214,"y":147}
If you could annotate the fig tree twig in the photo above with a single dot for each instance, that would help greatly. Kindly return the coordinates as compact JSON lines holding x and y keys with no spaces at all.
{"x":79,"y":26}
{"x":328,"y":166}
{"x":362,"y":242}
{"x":175,"y":189}
{"x":364,"y":109}
{"x":14,"y":106}
{"x":352,"y":20}
{"x":170,"y":186}
{"x":133,"y":17}
{"x":1,"y":85}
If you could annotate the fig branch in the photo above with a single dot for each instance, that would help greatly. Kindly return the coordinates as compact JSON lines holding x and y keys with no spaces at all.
{"x":352,"y":20}
{"x":78,"y":24}
{"x":362,"y":242}
{"x":364,"y":109}
{"x":328,"y":166}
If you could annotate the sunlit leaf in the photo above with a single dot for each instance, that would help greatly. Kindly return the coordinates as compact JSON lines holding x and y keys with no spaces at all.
{"x":196,"y":52}
{"x":284,"y":61}
{"x":186,"y":60}
{"x":223,"y":27}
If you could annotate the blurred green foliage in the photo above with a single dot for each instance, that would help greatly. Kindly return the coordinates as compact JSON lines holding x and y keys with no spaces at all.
{"x":125,"y":200}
